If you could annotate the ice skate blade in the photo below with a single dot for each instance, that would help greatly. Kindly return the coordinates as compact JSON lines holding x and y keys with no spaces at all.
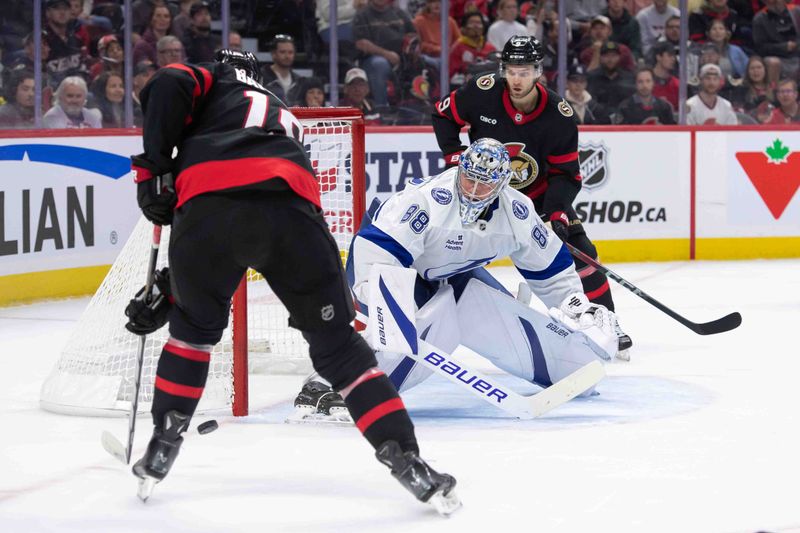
{"x":445,"y":505}
{"x":624,"y":355}
{"x":306,"y":415}
{"x":146,"y":485}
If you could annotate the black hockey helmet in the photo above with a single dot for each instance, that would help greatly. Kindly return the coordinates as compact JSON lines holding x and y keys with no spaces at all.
{"x":244,"y":60}
{"x":522,"y":50}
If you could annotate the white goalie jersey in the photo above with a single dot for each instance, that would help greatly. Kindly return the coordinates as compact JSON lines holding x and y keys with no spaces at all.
{"x":421,"y":228}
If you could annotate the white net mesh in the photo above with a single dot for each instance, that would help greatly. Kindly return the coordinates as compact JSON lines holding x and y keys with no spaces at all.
{"x":96,"y":371}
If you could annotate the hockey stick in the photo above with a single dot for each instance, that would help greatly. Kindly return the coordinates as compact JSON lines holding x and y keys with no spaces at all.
{"x":111,"y":444}
{"x":487,"y":388}
{"x":721,"y":325}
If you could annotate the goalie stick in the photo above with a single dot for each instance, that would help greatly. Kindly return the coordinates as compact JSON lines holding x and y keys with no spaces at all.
{"x":487,"y":388}
{"x":721,"y":325}
{"x":110,"y":443}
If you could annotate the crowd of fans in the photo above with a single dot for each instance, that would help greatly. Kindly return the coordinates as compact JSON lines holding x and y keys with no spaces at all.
{"x":623,"y":55}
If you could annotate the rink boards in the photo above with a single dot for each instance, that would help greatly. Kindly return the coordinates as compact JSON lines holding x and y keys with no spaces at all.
{"x":67,"y":203}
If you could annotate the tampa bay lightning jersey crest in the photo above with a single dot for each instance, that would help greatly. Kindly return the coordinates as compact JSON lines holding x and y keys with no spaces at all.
{"x":417,"y":229}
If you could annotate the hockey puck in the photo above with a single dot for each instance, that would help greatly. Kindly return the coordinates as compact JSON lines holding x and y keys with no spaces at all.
{"x":207,"y":427}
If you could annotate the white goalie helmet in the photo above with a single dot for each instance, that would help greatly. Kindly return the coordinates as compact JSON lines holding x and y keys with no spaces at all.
{"x":483,"y":170}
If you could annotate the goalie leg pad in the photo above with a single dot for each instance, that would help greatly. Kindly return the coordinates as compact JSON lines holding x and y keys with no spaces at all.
{"x":518,"y":339}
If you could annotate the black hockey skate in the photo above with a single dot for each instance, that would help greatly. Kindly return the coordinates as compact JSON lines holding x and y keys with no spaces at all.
{"x":624,"y":342}
{"x":425,"y":483}
{"x":161,"y":452}
{"x":318,"y":402}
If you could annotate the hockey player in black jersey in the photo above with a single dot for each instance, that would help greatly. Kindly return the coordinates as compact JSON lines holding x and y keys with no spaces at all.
{"x":245,"y":195}
{"x":541,"y":135}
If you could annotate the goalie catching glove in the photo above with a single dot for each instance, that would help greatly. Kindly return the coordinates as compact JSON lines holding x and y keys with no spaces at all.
{"x":154,"y":192}
{"x":148,"y":312}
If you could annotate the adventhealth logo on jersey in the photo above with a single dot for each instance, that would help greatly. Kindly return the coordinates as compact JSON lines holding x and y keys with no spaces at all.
{"x":520,"y":210}
{"x":62,"y":215}
{"x":442,"y":196}
{"x":594,"y":165}
{"x":775,"y":174}
{"x":455,"y":244}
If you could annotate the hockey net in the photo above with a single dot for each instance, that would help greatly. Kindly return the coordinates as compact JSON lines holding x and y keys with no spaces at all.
{"x":96,"y":371}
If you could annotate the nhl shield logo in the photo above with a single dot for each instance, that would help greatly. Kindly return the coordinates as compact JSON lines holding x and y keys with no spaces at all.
{"x":594,"y":165}
{"x":327,"y":313}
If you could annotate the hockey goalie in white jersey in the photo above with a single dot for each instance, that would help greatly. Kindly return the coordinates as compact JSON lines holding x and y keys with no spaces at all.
{"x":427,"y":246}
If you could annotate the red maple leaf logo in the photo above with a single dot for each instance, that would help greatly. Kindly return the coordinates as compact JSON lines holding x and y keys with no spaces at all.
{"x":775,"y":173}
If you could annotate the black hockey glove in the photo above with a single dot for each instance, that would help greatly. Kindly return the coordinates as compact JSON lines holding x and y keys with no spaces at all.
{"x":155,"y":192}
{"x":559,"y":223}
{"x":146,"y":315}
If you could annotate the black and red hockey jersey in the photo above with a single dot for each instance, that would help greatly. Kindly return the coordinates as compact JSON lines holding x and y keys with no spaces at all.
{"x":543,"y":144}
{"x":230,"y":132}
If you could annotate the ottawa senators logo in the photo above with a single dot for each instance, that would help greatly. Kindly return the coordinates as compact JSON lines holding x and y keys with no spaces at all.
{"x":524,"y":168}
{"x":565,"y":109}
{"x":485,"y":82}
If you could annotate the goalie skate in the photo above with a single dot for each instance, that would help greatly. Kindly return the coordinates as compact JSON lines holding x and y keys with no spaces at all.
{"x":318,"y":403}
{"x":425,"y":483}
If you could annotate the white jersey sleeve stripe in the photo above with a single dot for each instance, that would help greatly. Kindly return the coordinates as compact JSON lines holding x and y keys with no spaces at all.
{"x":561,"y":262}
{"x":386,"y":242}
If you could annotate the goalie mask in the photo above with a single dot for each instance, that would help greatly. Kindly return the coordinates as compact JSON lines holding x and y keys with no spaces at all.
{"x":243,"y":60}
{"x":483,"y":170}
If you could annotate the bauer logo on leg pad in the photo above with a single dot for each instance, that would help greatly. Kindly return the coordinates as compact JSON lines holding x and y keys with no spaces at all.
{"x":443,"y":364}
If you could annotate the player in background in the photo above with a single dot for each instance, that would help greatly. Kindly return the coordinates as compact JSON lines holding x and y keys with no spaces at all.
{"x":245,"y":195}
{"x":541,"y":135}
{"x":446,"y":228}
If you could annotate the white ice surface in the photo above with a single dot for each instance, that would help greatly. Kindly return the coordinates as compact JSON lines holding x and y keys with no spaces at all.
{"x":695,"y":434}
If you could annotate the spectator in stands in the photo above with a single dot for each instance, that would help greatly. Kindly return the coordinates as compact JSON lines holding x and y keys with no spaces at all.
{"x":506,"y":26}
{"x":582,"y":12}
{"x":700,"y":20}
{"x":707,"y":107}
{"x":24,"y":60}
{"x":652,"y":22}
{"x":459,"y":8}
{"x":69,"y":110}
{"x":159,"y":26}
{"x":169,"y":49}
{"x":67,"y":56}
{"x":733,"y":60}
{"x":77,"y":22}
{"x":428,"y":25}
{"x":550,"y":44}
{"x":665,"y":84}
{"x":234,"y":41}
{"x":356,"y":90}
{"x":643,"y":107}
{"x":380,"y":31}
{"x":587,"y":110}
{"x":198,"y":41}
{"x":775,"y":36}
{"x":279,"y":76}
{"x":755,"y":94}
{"x":142,"y":13}
{"x":183,"y":19}
{"x":108,"y":92}
{"x":610,"y":84}
{"x":787,"y":111}
{"x":599,"y":34}
{"x":472,"y":47}
{"x":625,"y":28}
{"x":345,"y":12}
{"x":310,"y":93}
{"x":111,"y":56}
{"x":18,"y":111}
